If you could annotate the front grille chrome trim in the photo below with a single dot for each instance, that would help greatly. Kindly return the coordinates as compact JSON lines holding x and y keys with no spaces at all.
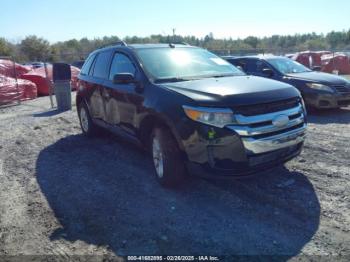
{"x":260,"y":134}
{"x":249,"y":131}
{"x":248,"y":120}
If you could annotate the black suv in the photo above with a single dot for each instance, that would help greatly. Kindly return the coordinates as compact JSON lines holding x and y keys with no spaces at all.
{"x":191,"y":109}
{"x":319,"y":90}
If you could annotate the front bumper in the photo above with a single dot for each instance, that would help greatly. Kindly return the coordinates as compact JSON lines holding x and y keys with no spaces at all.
{"x":335,"y":100}
{"x":255,"y":163}
{"x":254,"y":144}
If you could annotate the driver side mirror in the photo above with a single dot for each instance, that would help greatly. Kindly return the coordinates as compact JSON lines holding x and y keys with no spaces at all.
{"x":124,"y":78}
{"x":267,"y":72}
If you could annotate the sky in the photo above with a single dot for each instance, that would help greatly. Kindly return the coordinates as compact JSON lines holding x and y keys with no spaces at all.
{"x":62,"y":20}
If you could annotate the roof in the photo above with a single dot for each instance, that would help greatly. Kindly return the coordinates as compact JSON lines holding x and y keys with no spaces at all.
{"x":143,"y":46}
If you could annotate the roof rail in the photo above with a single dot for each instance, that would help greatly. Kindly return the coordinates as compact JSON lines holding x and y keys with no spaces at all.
{"x":179,"y":43}
{"x":121,"y":43}
{"x":172,"y":44}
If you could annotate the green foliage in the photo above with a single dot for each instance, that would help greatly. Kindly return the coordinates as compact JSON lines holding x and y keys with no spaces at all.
{"x":5,"y":48}
{"x":34,"y":48}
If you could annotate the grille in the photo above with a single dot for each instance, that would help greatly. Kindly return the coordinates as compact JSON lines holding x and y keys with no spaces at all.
{"x":266,"y":108}
{"x":344,"y":102}
{"x":279,"y":131}
{"x":342,"y":89}
{"x":259,"y":133}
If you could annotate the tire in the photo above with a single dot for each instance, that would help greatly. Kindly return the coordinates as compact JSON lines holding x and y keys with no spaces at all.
{"x":167,"y":160}
{"x":87,"y":126}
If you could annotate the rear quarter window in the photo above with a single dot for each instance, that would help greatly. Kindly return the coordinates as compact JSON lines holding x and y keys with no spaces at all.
{"x":87,"y":65}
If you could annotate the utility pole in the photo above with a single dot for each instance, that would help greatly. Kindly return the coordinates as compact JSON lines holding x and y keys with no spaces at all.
{"x":174,"y":29}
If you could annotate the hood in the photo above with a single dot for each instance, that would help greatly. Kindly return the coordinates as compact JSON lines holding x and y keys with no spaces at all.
{"x":234,"y":91}
{"x":319,"y":77}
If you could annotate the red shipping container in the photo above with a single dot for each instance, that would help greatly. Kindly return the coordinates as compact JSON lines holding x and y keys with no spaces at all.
{"x":310,"y":59}
{"x":7,"y":68}
{"x":336,"y":63}
{"x":38,"y":76}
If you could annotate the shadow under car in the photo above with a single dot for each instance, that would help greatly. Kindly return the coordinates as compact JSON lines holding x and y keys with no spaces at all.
{"x":103,"y":192}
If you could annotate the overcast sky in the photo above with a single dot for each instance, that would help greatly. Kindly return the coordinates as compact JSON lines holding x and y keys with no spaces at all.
{"x":66,"y":19}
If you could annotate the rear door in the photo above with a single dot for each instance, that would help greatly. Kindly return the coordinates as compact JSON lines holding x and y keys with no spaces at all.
{"x":86,"y":84}
{"x":100,"y":75}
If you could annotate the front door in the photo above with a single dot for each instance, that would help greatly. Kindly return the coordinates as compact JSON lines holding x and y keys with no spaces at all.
{"x":122,"y":101}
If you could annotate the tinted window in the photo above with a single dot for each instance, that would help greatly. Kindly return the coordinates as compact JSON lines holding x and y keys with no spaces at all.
{"x":239,"y":63}
{"x":260,"y":65}
{"x":102,"y":65}
{"x":234,"y":62}
{"x":121,"y":64}
{"x":87,"y":65}
{"x":251,"y":66}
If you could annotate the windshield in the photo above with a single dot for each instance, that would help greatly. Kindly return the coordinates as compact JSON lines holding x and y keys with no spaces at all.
{"x":288,"y":66}
{"x":181,"y":64}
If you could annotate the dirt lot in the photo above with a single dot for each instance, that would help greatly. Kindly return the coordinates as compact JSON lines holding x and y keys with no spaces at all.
{"x":63,"y":194}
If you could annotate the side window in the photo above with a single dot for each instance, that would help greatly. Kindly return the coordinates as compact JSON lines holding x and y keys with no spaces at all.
{"x":251,"y":66}
{"x":261,"y":65}
{"x":242,"y":64}
{"x":121,"y":64}
{"x":87,"y":65}
{"x":102,"y":65}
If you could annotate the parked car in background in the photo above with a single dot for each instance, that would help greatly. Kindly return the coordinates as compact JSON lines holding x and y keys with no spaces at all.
{"x":319,"y":90}
{"x":79,"y":64}
{"x":191,"y":109}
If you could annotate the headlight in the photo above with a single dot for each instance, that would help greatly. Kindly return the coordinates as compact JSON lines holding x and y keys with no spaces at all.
{"x":218,"y":117}
{"x":320,"y":87}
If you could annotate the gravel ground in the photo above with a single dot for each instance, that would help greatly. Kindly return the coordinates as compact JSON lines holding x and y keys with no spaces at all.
{"x":64,"y":195}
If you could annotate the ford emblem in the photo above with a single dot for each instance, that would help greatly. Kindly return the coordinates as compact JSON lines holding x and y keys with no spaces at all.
{"x":280,"y":121}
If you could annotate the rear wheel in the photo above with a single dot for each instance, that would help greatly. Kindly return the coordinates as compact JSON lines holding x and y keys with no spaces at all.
{"x":168,"y":163}
{"x":86,"y":124}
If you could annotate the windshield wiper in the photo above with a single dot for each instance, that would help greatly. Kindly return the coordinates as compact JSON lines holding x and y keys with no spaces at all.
{"x":227,"y":75}
{"x":172,"y":79}
{"x":182,"y":79}
{"x":222,"y":75}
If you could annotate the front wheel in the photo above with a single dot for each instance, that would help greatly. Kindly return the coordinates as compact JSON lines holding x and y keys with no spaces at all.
{"x":168,"y":162}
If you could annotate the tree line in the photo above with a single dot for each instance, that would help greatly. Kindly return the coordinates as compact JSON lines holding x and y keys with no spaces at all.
{"x":33,"y":48}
